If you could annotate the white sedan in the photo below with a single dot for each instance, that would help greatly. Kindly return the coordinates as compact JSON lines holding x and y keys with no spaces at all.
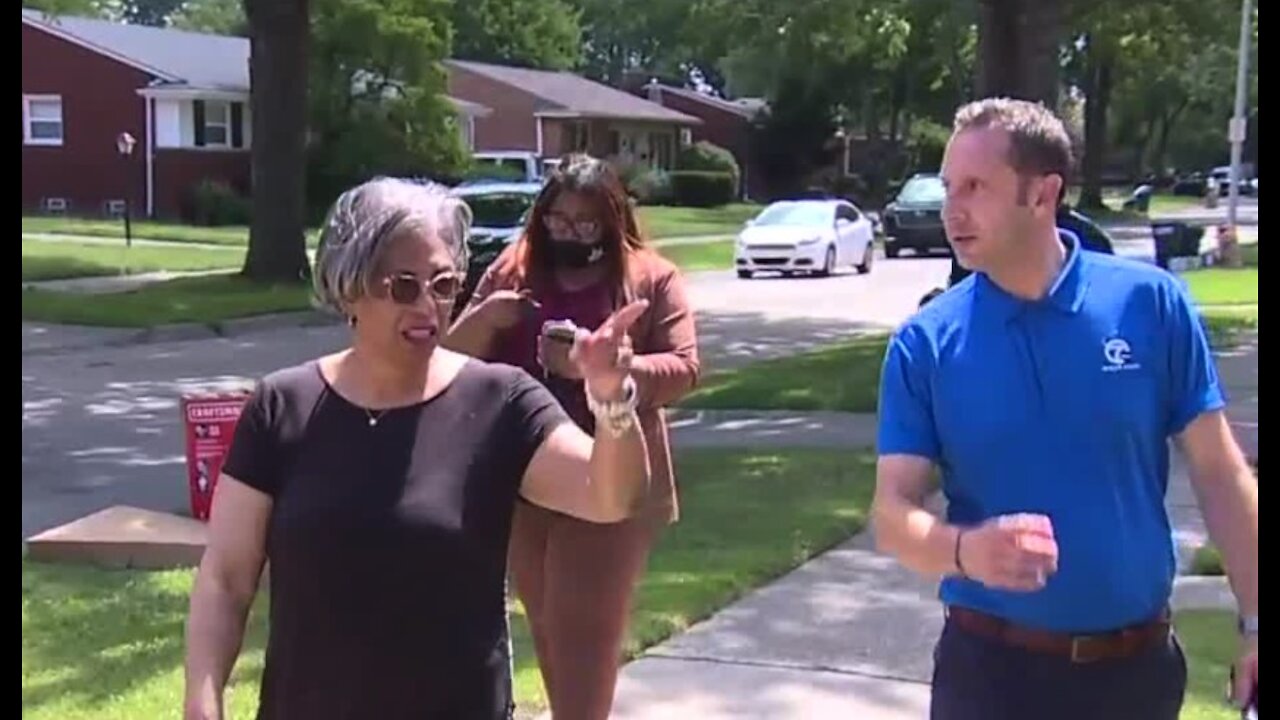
{"x":809,"y":236}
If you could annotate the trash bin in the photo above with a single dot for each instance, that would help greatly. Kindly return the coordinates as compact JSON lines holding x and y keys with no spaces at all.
{"x":1174,"y":240}
{"x":210,"y":420}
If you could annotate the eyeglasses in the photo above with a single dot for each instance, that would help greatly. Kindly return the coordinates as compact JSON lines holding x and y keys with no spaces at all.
{"x":407,"y":288}
{"x":558,"y":223}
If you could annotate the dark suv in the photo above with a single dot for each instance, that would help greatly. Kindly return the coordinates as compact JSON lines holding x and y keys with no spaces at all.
{"x":913,"y":221}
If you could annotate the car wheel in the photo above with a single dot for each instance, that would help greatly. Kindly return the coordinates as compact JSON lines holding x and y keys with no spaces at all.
{"x":892,"y":251}
{"x":744,"y":274}
{"x":868,"y":257}
{"x":828,"y":263}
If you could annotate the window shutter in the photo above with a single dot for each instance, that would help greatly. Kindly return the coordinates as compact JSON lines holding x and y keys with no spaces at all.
{"x":237,"y":125}
{"x":197,"y":114}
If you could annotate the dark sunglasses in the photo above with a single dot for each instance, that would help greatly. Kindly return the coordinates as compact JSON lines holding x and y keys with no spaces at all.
{"x":407,"y":288}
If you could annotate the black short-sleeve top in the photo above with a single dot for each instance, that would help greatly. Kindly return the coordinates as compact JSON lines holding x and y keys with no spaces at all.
{"x":387,"y":542}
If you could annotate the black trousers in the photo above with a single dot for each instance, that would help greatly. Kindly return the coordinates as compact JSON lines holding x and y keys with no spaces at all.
{"x":979,"y":679}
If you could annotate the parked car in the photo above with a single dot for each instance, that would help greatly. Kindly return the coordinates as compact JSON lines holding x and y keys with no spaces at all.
{"x":1190,"y":185}
{"x":499,"y":211}
{"x":805,"y":236}
{"x":519,"y":166}
{"x":1222,"y":176}
{"x":913,"y":221}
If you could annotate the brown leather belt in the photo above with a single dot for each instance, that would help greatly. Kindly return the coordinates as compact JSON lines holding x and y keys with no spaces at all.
{"x":1113,"y":645}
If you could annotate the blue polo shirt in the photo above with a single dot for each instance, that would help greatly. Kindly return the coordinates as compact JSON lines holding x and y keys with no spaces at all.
{"x":1063,"y":407}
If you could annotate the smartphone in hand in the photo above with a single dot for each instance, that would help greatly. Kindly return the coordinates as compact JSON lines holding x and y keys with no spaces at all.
{"x":560,"y":330}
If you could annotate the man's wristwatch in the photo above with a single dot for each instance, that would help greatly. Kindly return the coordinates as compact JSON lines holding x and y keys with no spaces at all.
{"x":1248,"y":625}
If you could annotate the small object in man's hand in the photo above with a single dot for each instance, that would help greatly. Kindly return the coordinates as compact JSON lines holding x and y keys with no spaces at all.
{"x":560,"y":330}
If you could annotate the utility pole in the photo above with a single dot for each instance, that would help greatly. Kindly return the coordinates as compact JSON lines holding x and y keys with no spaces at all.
{"x":1238,"y":128}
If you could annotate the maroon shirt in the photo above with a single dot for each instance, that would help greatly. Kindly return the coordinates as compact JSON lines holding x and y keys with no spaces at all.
{"x":587,"y":308}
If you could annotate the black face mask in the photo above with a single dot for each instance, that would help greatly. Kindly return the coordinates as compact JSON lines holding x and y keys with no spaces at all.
{"x":572,"y":254}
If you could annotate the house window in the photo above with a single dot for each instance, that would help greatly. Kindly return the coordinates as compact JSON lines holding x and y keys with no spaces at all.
{"x":217,"y":124}
{"x":42,"y":119}
{"x":686,"y":137}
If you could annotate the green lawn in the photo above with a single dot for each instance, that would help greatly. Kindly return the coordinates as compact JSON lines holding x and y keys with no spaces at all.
{"x":1222,"y":286}
{"x":658,"y":221}
{"x":1210,"y":641}
{"x":208,"y":300}
{"x":108,"y":645}
{"x":45,"y":260}
{"x":144,"y":229}
{"x":843,"y":377}
{"x":1229,"y":297}
{"x":666,"y":222}
{"x":716,"y":255}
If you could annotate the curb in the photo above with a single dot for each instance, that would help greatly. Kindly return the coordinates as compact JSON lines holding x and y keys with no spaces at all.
{"x":184,"y":332}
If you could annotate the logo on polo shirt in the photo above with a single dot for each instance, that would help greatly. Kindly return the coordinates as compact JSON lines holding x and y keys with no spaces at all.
{"x":1119,"y":356}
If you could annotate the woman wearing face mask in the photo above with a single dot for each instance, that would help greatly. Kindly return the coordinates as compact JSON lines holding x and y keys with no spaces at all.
{"x":582,"y":256}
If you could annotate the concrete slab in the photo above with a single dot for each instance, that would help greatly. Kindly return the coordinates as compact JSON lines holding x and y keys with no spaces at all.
{"x":664,"y":688}
{"x":1202,"y":593}
{"x":830,"y":614}
{"x":123,"y":537}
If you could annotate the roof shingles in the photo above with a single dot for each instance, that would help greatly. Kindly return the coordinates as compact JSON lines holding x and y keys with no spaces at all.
{"x":562,"y":92}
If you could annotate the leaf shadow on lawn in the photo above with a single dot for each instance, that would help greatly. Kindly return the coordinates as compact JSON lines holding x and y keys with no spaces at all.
{"x":91,"y":636}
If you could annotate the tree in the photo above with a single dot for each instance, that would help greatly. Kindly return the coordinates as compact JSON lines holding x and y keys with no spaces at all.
{"x":220,"y":17}
{"x":148,"y":12}
{"x":1160,"y":51}
{"x":278,"y":34}
{"x":72,"y":8}
{"x":377,"y":105}
{"x":530,"y":33}
{"x":1018,"y":43}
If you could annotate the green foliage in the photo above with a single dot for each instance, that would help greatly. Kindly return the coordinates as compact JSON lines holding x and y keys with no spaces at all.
{"x":377,"y":105}
{"x":531,"y":33}
{"x":220,"y":17}
{"x":216,"y":204}
{"x":697,"y":188}
{"x":710,"y":157}
{"x":650,"y":186}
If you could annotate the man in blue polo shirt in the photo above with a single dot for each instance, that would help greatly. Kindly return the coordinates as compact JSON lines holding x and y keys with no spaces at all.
{"x":1045,"y":388}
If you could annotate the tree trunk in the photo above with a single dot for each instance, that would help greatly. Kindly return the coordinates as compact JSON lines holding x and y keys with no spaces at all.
{"x":278,"y":31}
{"x":1018,"y":49}
{"x":897,"y":99}
{"x":1097,"y":98}
{"x":1168,"y":120}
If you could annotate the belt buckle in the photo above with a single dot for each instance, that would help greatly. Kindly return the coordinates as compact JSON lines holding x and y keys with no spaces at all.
{"x":1079,"y":649}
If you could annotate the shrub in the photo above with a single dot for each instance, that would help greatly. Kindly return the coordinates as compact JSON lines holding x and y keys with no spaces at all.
{"x":1207,"y":561}
{"x":709,"y":157}
{"x":695,"y":188}
{"x":652,"y":187}
{"x":214,"y":202}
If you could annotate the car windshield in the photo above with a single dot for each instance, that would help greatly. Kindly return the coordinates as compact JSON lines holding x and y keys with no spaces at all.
{"x":499,"y":209}
{"x":508,"y":169}
{"x":795,"y":214}
{"x":923,"y":190}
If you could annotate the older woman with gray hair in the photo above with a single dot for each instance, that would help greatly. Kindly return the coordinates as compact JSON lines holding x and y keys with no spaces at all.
{"x":379,"y":483}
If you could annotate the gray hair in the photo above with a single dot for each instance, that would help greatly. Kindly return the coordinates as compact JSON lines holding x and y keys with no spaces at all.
{"x":364,"y":218}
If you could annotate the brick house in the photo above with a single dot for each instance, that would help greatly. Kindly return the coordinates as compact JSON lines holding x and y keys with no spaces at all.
{"x":726,"y":123}
{"x":551,"y":113}
{"x":183,"y":96}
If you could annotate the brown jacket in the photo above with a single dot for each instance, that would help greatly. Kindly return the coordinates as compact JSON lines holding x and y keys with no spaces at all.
{"x":665,"y":366}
